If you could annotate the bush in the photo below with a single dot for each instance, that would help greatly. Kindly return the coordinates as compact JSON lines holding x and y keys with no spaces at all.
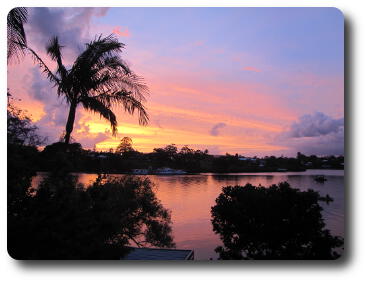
{"x":278,"y":222}
{"x":64,"y":220}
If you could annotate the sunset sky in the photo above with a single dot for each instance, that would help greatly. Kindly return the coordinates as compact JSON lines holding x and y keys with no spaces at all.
{"x":253,"y":81}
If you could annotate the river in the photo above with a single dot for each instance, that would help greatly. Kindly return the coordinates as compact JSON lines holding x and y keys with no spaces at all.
{"x":190,"y":198}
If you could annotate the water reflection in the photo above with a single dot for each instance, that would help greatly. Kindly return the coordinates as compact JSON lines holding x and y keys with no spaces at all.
{"x":190,"y":198}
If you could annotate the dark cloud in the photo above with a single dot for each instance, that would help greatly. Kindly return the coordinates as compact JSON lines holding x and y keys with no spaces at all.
{"x":41,"y":89}
{"x":70,"y":25}
{"x":52,"y":124}
{"x":215,"y":130}
{"x":314,"y":134}
{"x":315,"y":125}
{"x":330,"y":144}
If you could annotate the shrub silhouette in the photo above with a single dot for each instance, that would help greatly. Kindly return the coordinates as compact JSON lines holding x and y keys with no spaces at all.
{"x":22,"y":142}
{"x":64,"y":220}
{"x":278,"y":222}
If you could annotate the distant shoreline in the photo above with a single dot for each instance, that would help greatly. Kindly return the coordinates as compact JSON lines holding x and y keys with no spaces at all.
{"x":197,"y":173}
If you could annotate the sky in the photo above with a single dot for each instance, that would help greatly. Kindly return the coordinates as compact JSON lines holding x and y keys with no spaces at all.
{"x":253,"y":81}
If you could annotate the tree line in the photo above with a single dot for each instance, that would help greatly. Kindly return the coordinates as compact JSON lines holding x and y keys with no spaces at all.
{"x":125,"y":158}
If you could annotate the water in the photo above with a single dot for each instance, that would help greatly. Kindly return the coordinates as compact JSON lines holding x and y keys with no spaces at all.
{"x":190,"y":198}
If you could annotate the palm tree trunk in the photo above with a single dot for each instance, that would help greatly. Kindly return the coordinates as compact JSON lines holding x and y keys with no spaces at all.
{"x":70,"y":122}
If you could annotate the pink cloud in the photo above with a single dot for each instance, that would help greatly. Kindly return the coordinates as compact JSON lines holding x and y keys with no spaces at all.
{"x":251,"y":69}
{"x":124,"y":33}
{"x":199,"y":43}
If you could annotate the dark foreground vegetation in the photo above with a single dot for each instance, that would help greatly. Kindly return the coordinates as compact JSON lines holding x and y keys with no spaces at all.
{"x":278,"y":222}
{"x":61,"y":219}
{"x":64,"y":220}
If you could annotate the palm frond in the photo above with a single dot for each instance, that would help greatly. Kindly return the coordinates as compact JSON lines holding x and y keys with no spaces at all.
{"x":54,"y":50}
{"x":129,"y":104}
{"x":17,"y":17}
{"x":97,"y":51}
{"x":99,"y":57}
{"x":109,"y":74}
{"x":136,"y":85}
{"x":96,"y":106}
{"x":45,"y":69}
{"x":116,"y":82}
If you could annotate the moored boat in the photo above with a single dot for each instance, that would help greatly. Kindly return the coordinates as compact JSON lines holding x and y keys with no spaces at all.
{"x":320,"y":178}
{"x":159,"y":171}
{"x":169,"y":171}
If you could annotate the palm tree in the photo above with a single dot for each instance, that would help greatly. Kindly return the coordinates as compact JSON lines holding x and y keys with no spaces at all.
{"x":98,"y":80}
{"x":15,"y":31}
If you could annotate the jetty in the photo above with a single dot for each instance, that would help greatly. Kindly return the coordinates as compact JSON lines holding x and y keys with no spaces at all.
{"x":158,"y":254}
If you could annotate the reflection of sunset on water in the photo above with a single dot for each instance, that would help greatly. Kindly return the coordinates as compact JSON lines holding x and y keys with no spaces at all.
{"x":190,"y":198}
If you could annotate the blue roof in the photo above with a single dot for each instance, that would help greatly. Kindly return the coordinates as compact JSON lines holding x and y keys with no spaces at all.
{"x":158,"y":254}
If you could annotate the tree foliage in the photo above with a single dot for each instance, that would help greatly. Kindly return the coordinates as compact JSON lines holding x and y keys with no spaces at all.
{"x":98,"y":80}
{"x":278,"y":222}
{"x":125,"y":146}
{"x":64,"y":220}
{"x":20,"y":129}
{"x":22,"y":139}
{"x":60,"y":156}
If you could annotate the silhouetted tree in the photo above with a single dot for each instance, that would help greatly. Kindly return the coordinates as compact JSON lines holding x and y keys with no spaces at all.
{"x":98,"y":80}
{"x":165,"y":156}
{"x":61,"y":156}
{"x":16,"y":36}
{"x":189,"y":159}
{"x":63,"y":220}
{"x":22,"y":142}
{"x":125,"y":146}
{"x":22,"y":155}
{"x":185,"y":150}
{"x":170,"y":150}
{"x":20,"y":129}
{"x":278,"y":222}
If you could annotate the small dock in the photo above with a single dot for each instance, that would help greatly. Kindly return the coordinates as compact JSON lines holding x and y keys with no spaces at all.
{"x":158,"y":254}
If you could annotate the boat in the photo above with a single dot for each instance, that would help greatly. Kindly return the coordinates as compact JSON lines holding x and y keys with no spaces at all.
{"x":159,"y":171}
{"x":320,"y":178}
{"x":168,"y":171}
{"x":140,"y":171}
